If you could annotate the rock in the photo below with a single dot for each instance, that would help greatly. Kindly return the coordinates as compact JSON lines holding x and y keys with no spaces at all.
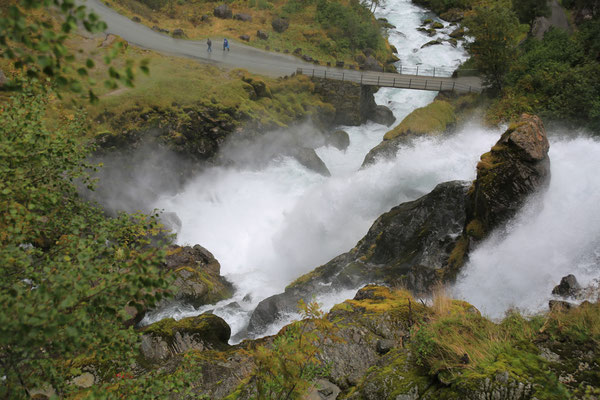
{"x":458,"y":33}
{"x":168,"y":337}
{"x":383,"y":116}
{"x":262,"y":35}
{"x":223,"y":11}
{"x":385,"y":345}
{"x":453,"y":15}
{"x":453,"y":42}
{"x":259,"y":87}
{"x":437,"y":25}
{"x":243,"y":17}
{"x":307,"y":58}
{"x":84,"y":380}
{"x":432,"y":43}
{"x":297,"y":51}
{"x":568,"y":287}
{"x":280,"y":25}
{"x":338,"y":139}
{"x":371,"y":64}
{"x":245,"y":38}
{"x":406,"y":246}
{"x":322,"y":390}
{"x":309,"y":158}
{"x":160,"y":30}
{"x":516,"y":167}
{"x":353,"y":103}
{"x":339,"y":64}
{"x":385,"y":24}
{"x":171,"y":221}
{"x":136,"y":19}
{"x":197,"y":275}
{"x":205,"y":18}
{"x":3,"y":78}
{"x":559,"y":305}
{"x":178,"y":33}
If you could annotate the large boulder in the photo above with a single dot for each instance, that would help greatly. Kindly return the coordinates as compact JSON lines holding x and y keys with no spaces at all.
{"x":197,"y":279}
{"x":166,"y":338}
{"x":568,"y":287}
{"x":309,"y":158}
{"x":223,"y":11}
{"x":338,"y":139}
{"x":516,"y":167}
{"x":383,"y":116}
{"x":243,"y":17}
{"x":280,"y":25}
{"x":407,"y":245}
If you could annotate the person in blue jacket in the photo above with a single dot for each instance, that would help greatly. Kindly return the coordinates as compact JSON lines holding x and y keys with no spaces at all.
{"x":225,"y":44}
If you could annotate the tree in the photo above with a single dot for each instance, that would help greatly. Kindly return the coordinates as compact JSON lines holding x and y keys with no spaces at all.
{"x":494,"y":28}
{"x":69,"y":272}
{"x":529,"y":10}
{"x":37,"y":46}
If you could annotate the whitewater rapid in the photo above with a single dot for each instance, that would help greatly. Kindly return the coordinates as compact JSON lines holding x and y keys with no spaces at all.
{"x":269,"y":225}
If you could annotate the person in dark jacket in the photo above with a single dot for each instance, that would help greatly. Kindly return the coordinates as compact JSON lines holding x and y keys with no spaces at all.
{"x":209,"y":44}
{"x":225,"y":44}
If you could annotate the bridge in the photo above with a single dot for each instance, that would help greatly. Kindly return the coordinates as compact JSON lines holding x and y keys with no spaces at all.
{"x":276,"y":64}
{"x":407,"y":78}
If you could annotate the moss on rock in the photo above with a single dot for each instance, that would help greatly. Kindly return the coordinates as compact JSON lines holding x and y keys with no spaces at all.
{"x":434,"y":118}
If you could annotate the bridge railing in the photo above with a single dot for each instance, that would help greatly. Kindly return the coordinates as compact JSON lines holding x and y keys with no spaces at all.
{"x":389,"y":80}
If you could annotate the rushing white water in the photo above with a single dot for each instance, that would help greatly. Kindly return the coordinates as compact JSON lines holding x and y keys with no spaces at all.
{"x":270,"y":225}
{"x":556,"y":234}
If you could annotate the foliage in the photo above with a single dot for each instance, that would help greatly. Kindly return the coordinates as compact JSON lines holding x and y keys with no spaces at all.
{"x":287,"y":368}
{"x":557,"y":77}
{"x":528,"y":10}
{"x":494,"y":28}
{"x":30,"y":40}
{"x":351,"y":26}
{"x":69,"y":272}
{"x":434,"y":118}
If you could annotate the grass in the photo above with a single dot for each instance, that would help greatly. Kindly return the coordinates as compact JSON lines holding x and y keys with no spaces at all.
{"x":175,"y":83}
{"x":304,"y":31}
{"x":434,"y":118}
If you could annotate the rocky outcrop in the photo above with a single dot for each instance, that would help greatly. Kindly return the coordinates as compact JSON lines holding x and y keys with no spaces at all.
{"x":406,"y":245}
{"x":167,"y":338}
{"x":198,"y":280}
{"x":516,"y":167}
{"x":568,"y":287}
{"x":223,"y":11}
{"x":354,"y":104}
{"x":383,"y":116}
{"x":338,"y":139}
{"x":309,"y":159}
{"x":243,"y":17}
{"x":280,"y":25}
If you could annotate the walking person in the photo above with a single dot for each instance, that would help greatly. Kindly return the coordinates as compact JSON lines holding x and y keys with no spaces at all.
{"x":225,"y":44}
{"x":209,"y":44}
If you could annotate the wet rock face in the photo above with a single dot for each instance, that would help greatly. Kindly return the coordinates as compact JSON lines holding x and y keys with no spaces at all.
{"x":197,"y":275}
{"x":384,"y":116}
{"x":168,"y":337}
{"x":516,"y":167}
{"x":406,"y":245}
{"x":309,"y":159}
{"x":354,"y":104}
{"x":568,"y":287}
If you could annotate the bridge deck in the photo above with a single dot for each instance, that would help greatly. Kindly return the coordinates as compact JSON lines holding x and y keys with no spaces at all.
{"x":403,"y":81}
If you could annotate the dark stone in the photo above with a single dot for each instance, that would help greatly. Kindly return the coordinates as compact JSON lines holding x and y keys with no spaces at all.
{"x":178,"y":33}
{"x":243,"y":17}
{"x":568,"y":286}
{"x":309,"y":158}
{"x":286,"y":51}
{"x":458,"y":33}
{"x":384,"y":346}
{"x":223,"y":11}
{"x":136,"y":19}
{"x":339,"y":64}
{"x":307,"y":58}
{"x":297,"y":51}
{"x":245,"y":38}
{"x":157,"y":29}
{"x":432,"y":43}
{"x":406,"y":246}
{"x":338,"y":139}
{"x":280,"y":25}
{"x":205,"y":18}
{"x":262,"y":35}
{"x":383,"y":116}
{"x":437,"y":25}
